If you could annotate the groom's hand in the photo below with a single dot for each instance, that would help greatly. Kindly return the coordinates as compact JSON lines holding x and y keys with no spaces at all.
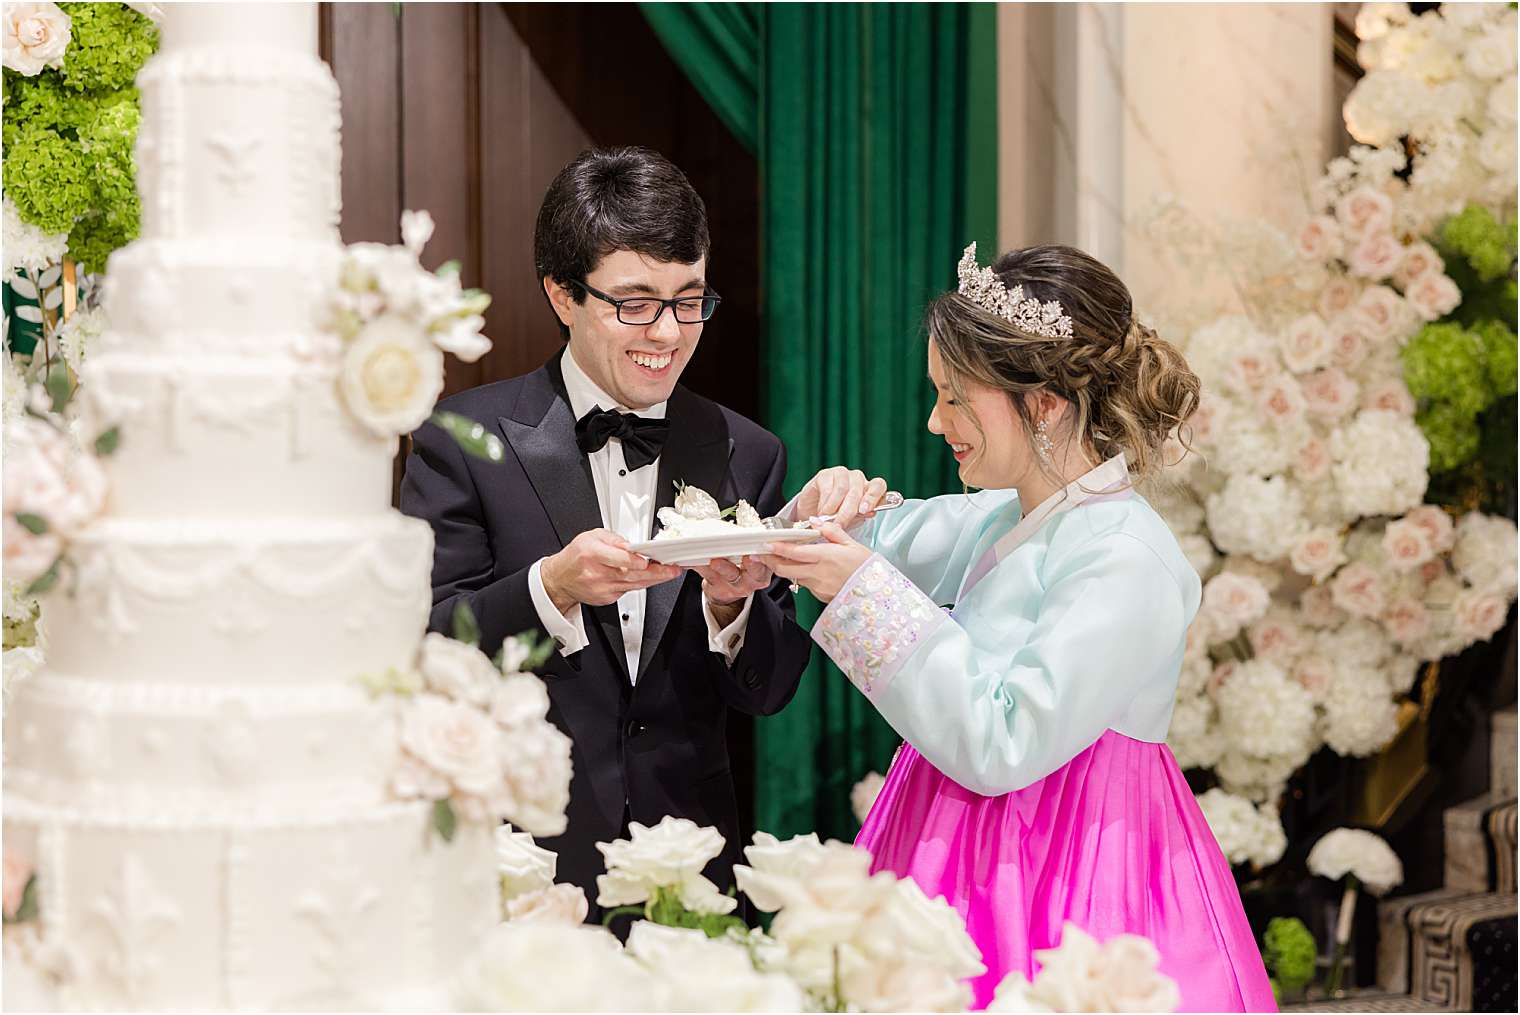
{"x":596,"y":568}
{"x":724,"y":582}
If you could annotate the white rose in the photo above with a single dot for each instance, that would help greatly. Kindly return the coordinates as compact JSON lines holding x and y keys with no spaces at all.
{"x":1373,"y":21}
{"x":929,"y":930}
{"x":1358,"y":589}
{"x":1437,"y":525}
{"x":1277,"y":636}
{"x":704,"y":974}
{"x":832,"y":904}
{"x":1491,"y":55}
{"x":36,"y":35}
{"x":457,"y":671}
{"x":1364,"y":210}
{"x":542,"y":966}
{"x":1376,"y":256}
{"x":1306,"y":344}
{"x":902,"y":986}
{"x":1132,"y":978}
{"x":1349,"y":340}
{"x":668,"y":855}
{"x":1433,"y":295}
{"x":776,"y":868}
{"x":536,"y":759}
{"x":391,"y":376}
{"x":455,"y":740}
{"x":1071,"y":975}
{"x":1407,"y":620}
{"x":1382,"y":313}
{"x":1391,"y":395}
{"x":1199,"y":552}
{"x":1360,"y":853}
{"x":1318,"y":553}
{"x":519,"y":699}
{"x":1329,"y":394}
{"x":524,"y":866}
{"x":1015,"y":994}
{"x":1338,"y":295}
{"x":864,"y":793}
{"x":1281,"y":401}
{"x":1407,"y":545}
{"x":1319,"y":239}
{"x":1479,"y":615}
{"x":1235,"y":598}
{"x":562,"y":904}
{"x":1419,"y":258}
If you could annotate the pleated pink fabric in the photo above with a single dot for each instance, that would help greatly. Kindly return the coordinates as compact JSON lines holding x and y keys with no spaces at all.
{"x":1113,"y":842}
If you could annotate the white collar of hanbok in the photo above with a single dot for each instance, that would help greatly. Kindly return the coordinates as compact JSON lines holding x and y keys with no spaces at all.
{"x":1112,"y":477}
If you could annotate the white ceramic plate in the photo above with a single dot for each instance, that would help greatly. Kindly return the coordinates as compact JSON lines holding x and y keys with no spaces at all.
{"x":701,"y":549}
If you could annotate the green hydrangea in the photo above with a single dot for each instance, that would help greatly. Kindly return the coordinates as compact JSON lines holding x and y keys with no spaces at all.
{"x":48,"y":178}
{"x":1486,"y":243}
{"x":1499,"y":356}
{"x":1289,"y":953}
{"x":1447,"y":363}
{"x":108,"y":44}
{"x":1452,"y":434}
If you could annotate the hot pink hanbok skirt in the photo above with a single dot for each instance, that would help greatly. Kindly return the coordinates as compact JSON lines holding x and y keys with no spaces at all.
{"x":1113,"y":842}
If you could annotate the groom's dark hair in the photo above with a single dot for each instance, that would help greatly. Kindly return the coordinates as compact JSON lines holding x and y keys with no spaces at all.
{"x":612,"y":199}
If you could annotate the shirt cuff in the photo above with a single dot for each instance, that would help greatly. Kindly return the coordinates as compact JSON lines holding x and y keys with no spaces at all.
{"x":567,"y":629}
{"x":875,"y":623}
{"x":730,"y":639}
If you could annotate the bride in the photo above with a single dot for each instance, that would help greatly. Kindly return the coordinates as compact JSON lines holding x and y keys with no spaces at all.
{"x":1035,"y":787}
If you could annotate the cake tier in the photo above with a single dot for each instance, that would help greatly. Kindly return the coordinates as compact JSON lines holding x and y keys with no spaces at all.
{"x":356,"y":910}
{"x":259,"y":298}
{"x":188,"y":755}
{"x":227,"y":605}
{"x":240,"y":126}
{"x":230,"y":438}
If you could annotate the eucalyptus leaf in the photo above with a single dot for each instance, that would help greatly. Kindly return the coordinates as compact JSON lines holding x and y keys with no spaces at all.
{"x":28,"y":313}
{"x":54,"y":299}
{"x":60,"y":388}
{"x":48,"y":580}
{"x":466,"y":628}
{"x":23,"y":287}
{"x":35,"y":524}
{"x":108,"y":442}
{"x":444,"y":820}
{"x":472,"y":438}
{"x":50,"y":278}
{"x":28,"y":908}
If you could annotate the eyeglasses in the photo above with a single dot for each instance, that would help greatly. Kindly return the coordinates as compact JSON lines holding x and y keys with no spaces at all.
{"x":644,"y":310}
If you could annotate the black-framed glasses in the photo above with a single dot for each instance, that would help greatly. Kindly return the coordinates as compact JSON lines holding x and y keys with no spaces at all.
{"x":645,"y":310}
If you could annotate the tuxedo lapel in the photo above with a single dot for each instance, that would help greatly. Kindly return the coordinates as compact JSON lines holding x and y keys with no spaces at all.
{"x":696,"y":453}
{"x":541,"y":431}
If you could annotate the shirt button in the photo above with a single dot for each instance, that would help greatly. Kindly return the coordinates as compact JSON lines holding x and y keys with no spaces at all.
{"x":622,"y":472}
{"x":635,"y":728}
{"x":625,"y":618}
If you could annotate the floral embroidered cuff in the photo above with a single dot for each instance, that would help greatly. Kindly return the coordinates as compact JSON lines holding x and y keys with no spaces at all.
{"x":875,"y":623}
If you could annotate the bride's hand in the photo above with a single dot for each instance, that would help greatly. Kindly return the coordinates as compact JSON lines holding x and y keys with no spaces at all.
{"x":845,"y":493}
{"x":823,"y":567}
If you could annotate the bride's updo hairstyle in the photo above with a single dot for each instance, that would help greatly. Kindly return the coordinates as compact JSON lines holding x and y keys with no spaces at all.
{"x":1129,"y":389}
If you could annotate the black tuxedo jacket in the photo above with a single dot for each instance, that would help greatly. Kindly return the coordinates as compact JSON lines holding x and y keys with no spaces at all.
{"x":657,"y":746}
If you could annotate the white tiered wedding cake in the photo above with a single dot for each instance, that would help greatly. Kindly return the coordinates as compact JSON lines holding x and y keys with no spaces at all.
{"x":197,"y":777}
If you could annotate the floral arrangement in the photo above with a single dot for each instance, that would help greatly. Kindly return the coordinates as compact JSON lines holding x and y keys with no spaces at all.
{"x":387,"y":326}
{"x":1248,"y":833}
{"x":1121,"y":974}
{"x":1358,"y":858}
{"x":657,"y":872}
{"x":1329,"y":578}
{"x":475,"y":737}
{"x":70,"y":123}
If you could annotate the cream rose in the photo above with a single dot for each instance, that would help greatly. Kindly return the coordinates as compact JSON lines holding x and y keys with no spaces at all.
{"x":1249,"y":370}
{"x":457,"y":741}
{"x":1319,"y":239}
{"x":1419,"y":259}
{"x":1376,"y":256}
{"x":1306,"y":344}
{"x":1318,"y":553}
{"x":1364,"y":210}
{"x":1479,"y":615}
{"x":1358,"y":589}
{"x":1336,"y":297}
{"x":536,"y":759}
{"x":518,"y":699}
{"x":1433,"y":295}
{"x":669,"y":855}
{"x":1315,"y":674}
{"x":1436,"y":523}
{"x":1281,"y":401}
{"x":391,"y":376}
{"x":1407,"y":620}
{"x":1382,"y":313}
{"x":777,"y":868}
{"x":1329,"y":394}
{"x":36,"y":36}
{"x":1132,"y":978}
{"x":457,"y":671}
{"x":1349,"y":341}
{"x":1234,"y":600}
{"x":564,"y":904}
{"x":1407,"y":545}
{"x":1392,"y":395}
{"x":1311,"y":460}
{"x":523,"y":865}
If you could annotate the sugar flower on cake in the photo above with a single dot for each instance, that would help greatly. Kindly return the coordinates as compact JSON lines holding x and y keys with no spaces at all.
{"x":668,"y":857}
{"x":36,"y":36}
{"x":1121,"y":974}
{"x":391,"y":376}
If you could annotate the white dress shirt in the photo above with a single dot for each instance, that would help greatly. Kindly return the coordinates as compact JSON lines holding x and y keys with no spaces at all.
{"x":627,"y":501}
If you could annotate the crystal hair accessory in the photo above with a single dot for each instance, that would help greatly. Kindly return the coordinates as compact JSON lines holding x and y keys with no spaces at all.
{"x":982,"y":287}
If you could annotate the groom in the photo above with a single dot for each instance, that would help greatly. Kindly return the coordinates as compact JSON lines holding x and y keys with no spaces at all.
{"x":650,"y":658}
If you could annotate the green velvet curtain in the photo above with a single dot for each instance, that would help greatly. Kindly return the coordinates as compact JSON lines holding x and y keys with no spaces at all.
{"x":875,"y":127}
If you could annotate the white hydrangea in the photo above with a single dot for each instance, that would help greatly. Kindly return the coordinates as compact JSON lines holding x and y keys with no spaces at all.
{"x":1360,"y":716}
{"x":1381,"y":462}
{"x":1362,"y":854}
{"x":1246,"y":832}
{"x":1259,"y":779}
{"x":1195,"y":737}
{"x":1246,"y":443}
{"x":1485,"y":553}
{"x":1262,"y":518}
{"x":1356,"y":642}
{"x":26,"y":246}
{"x":1263,"y":713}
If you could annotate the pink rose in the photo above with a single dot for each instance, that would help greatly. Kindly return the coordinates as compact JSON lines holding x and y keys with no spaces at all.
{"x":1358,"y":590}
{"x":1407,"y":545}
{"x":1419,"y":258}
{"x":1407,"y":620}
{"x":1377,"y":256}
{"x":1364,"y":210}
{"x":1337,"y":297}
{"x":1479,"y":615}
{"x":46,"y":475}
{"x":1235,"y":598}
{"x":1349,"y":343}
{"x":1436,"y":523}
{"x":1311,"y":460}
{"x":1249,"y":370}
{"x":1433,"y":295}
{"x":17,"y":872}
{"x":1382,"y":313}
{"x":1315,"y":674}
{"x":1319,"y":239}
{"x":1391,"y":395}
{"x":1317,"y":554}
{"x":1329,"y":394}
{"x":1281,"y":401}
{"x":1306,"y":344}
{"x":1276,"y":639}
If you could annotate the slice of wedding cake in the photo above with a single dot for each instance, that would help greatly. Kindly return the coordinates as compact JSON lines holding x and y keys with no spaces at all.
{"x":201,"y":790}
{"x":696,"y":513}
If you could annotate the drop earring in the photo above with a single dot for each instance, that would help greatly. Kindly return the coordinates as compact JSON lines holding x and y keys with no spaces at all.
{"x":1042,"y":442}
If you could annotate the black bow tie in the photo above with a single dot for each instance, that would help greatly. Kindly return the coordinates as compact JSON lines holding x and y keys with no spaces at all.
{"x":642,"y":438}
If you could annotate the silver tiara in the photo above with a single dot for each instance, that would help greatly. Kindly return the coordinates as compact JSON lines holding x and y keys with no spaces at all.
{"x":982,"y":287}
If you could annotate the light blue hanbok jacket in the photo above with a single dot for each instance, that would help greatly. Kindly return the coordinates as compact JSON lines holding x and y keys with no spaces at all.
{"x":1064,"y":625}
